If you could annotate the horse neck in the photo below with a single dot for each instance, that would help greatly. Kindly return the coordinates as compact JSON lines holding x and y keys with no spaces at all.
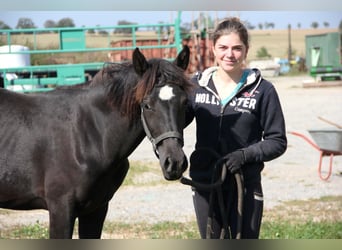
{"x":119,"y":133}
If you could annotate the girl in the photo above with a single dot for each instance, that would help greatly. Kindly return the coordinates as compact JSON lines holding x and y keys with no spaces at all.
{"x":239,"y":117}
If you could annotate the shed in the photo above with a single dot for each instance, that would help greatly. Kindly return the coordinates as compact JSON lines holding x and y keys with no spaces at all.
{"x":323,"y":55}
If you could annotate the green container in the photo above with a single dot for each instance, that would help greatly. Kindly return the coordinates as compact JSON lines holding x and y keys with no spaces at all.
{"x":323,"y":54}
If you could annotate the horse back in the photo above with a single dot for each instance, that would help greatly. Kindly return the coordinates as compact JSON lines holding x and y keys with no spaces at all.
{"x":54,"y":143}
{"x":31,"y":140}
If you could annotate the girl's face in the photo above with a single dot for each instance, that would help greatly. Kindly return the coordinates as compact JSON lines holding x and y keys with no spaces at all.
{"x":230,"y":52}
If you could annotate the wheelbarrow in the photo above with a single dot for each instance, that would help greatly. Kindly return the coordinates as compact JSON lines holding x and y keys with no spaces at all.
{"x":328,"y":142}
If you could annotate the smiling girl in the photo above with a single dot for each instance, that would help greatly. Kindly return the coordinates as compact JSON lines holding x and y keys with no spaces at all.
{"x":243,"y":124}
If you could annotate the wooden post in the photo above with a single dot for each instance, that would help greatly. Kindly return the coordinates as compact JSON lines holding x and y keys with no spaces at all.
{"x":290,"y":48}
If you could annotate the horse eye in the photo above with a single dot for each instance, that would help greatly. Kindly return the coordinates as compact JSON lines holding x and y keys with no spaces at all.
{"x":160,"y":83}
{"x":147,"y":106}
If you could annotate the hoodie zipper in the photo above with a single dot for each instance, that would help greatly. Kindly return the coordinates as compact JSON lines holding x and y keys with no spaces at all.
{"x":223,"y":107}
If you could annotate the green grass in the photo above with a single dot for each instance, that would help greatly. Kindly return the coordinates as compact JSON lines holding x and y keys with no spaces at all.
{"x":162,"y":230}
{"x":270,"y":230}
{"x":298,"y":230}
{"x":174,"y":230}
{"x":35,"y":231}
{"x":151,"y":171}
{"x":297,"y":219}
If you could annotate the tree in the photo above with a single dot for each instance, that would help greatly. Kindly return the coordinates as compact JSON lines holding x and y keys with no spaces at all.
{"x":314,"y":25}
{"x":65,"y":22}
{"x":203,"y":21}
{"x":50,"y":24}
{"x":4,"y":26}
{"x":25,"y":23}
{"x":103,"y":32}
{"x":269,"y":25}
{"x":326,"y":24}
{"x":249,"y":25}
{"x":340,"y":26}
{"x":124,"y":30}
{"x":262,"y":53}
{"x":91,"y":31}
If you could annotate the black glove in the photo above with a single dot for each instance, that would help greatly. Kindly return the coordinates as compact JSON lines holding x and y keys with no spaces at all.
{"x":234,"y":161}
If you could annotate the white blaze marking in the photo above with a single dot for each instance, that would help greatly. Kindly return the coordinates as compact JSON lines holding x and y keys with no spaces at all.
{"x":166,"y":93}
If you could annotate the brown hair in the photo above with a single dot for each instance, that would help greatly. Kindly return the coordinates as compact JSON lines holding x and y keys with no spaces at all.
{"x":229,"y":25}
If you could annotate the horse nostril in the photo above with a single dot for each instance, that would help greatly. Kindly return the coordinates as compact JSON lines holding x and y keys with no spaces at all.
{"x":169,"y":165}
{"x":173,"y":168}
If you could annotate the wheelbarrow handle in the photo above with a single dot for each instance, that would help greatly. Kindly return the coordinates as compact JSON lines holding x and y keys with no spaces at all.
{"x":330,"y":122}
{"x":306,"y":139}
{"x":321,"y":154}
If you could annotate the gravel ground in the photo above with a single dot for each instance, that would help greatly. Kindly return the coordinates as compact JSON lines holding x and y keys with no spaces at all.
{"x":293,"y":176}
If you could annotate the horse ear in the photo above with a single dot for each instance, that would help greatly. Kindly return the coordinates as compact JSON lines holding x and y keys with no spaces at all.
{"x":139,"y":62}
{"x":183,"y":58}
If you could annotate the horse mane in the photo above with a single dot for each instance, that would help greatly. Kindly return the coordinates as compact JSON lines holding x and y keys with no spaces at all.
{"x":125,"y":90}
{"x":119,"y":81}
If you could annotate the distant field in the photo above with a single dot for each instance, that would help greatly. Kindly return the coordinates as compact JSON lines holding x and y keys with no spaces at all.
{"x":51,"y":40}
{"x":275,"y":41}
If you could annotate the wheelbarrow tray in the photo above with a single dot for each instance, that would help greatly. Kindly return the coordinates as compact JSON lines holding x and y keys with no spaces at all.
{"x":328,"y":140}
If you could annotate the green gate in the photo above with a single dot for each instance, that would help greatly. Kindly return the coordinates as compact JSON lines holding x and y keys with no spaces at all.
{"x":73,"y":40}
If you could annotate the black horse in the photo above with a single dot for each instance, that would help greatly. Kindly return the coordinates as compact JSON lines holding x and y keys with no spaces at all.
{"x":66,"y":150}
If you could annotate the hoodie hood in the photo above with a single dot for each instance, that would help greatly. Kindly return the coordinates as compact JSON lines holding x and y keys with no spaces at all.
{"x":204,"y":77}
{"x":253,"y":77}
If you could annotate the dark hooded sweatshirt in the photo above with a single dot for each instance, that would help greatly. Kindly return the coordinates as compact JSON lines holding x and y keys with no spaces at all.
{"x":252,"y":121}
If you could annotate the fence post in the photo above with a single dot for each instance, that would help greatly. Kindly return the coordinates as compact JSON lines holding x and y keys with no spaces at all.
{"x":178,"y":39}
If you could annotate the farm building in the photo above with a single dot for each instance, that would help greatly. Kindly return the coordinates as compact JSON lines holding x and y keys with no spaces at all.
{"x":324,"y":55}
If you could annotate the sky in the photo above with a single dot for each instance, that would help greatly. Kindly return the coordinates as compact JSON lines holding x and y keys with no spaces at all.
{"x":281,"y":19}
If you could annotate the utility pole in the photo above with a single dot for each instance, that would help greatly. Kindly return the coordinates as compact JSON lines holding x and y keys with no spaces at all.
{"x":290,"y":48}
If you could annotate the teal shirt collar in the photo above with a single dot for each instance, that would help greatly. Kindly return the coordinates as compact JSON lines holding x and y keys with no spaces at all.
{"x":237,"y":88}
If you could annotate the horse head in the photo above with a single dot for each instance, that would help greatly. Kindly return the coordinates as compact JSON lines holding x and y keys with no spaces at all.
{"x":163,"y":104}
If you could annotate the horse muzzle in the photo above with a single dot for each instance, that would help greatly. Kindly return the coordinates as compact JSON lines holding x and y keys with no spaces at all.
{"x":172,"y":159}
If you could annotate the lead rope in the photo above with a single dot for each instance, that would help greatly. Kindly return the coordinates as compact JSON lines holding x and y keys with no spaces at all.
{"x":216,"y":188}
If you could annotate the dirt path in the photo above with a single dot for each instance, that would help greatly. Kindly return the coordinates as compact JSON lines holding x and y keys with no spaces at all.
{"x":291,"y":177}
